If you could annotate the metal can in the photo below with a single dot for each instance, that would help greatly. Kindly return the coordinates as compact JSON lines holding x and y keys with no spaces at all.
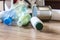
{"x":44,"y":13}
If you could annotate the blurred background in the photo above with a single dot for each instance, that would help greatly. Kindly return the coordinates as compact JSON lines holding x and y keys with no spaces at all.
{"x":55,"y":4}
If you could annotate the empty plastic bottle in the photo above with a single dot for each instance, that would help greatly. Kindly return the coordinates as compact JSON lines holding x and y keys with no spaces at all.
{"x":8,"y":17}
{"x":22,"y":14}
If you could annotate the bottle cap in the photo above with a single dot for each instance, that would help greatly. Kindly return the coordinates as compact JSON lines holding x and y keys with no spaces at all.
{"x":39,"y":26}
{"x":7,"y":21}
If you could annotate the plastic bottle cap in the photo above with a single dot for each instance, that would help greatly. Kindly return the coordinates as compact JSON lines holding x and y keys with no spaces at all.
{"x":39,"y":26}
{"x":7,"y":21}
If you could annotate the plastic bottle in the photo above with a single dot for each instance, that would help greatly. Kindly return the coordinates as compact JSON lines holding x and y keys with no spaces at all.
{"x":8,"y":17}
{"x":22,"y":13}
{"x":24,"y":20}
{"x":36,"y":23}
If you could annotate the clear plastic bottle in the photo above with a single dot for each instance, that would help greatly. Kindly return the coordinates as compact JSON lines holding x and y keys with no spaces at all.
{"x":35,"y":21}
{"x":24,"y":20}
{"x":8,"y":17}
{"x":22,"y":13}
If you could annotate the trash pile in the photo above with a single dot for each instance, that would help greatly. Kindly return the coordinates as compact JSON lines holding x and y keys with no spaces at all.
{"x":19,"y":15}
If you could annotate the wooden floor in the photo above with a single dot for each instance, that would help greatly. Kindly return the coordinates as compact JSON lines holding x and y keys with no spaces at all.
{"x":28,"y":33}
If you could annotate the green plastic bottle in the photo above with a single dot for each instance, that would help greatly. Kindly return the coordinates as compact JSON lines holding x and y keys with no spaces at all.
{"x":24,"y":20}
{"x":23,"y":17}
